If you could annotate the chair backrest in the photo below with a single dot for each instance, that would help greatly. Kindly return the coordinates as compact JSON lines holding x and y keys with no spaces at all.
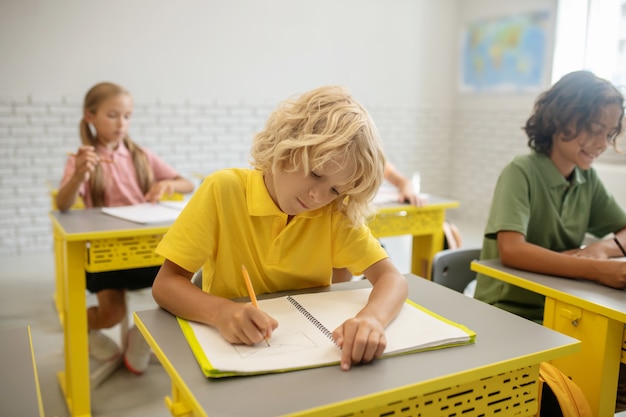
{"x":451,"y":267}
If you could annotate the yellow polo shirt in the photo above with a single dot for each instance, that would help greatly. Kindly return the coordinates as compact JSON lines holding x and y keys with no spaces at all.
{"x":232,"y":220}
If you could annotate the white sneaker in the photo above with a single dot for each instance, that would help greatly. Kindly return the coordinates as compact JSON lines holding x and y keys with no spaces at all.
{"x":137,"y":354}
{"x":102,"y":347}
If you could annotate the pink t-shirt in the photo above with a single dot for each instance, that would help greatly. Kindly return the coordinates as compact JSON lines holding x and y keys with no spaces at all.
{"x":121,"y":186}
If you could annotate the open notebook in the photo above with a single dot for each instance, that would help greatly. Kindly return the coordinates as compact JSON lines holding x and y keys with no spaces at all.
{"x":303,"y":338}
{"x":146,"y":213}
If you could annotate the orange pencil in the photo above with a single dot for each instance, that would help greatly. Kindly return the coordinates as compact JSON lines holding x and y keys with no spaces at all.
{"x":108,"y":161}
{"x":251,"y":291}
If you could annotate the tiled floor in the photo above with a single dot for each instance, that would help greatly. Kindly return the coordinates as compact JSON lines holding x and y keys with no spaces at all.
{"x":27,"y":284}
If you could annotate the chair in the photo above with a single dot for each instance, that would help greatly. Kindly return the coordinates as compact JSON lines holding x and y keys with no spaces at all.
{"x":451,"y":267}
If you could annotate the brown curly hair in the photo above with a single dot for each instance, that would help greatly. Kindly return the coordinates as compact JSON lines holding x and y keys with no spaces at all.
{"x":577,"y":97}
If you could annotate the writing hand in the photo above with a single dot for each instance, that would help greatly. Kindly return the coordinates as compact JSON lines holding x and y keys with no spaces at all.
{"x":241,"y":323}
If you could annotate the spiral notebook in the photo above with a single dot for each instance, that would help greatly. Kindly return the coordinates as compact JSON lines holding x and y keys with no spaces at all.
{"x":303,"y":338}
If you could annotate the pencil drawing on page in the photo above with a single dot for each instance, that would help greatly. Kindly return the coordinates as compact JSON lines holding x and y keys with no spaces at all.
{"x":279,"y":345}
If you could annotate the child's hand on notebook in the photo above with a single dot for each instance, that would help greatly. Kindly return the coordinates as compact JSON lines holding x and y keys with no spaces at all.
{"x":242,"y":323}
{"x":361,"y":339}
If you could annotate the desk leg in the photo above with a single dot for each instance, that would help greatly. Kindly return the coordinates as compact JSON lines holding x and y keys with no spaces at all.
{"x":59,"y":268}
{"x":596,"y":367}
{"x":424,"y":249}
{"x":178,"y":404}
{"x":75,"y":379}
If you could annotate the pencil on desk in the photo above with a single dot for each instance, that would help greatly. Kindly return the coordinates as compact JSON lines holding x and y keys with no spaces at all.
{"x":251,"y":293}
{"x":619,"y":245}
{"x":108,"y":161}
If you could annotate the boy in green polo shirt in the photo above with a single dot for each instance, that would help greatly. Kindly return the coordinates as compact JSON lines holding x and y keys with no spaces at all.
{"x":545,"y":202}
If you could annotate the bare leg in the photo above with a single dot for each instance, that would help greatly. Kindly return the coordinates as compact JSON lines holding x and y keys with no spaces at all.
{"x":110,"y":310}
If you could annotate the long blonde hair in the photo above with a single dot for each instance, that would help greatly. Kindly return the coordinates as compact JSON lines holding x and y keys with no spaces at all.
{"x":320,"y":125}
{"x":93,"y":99}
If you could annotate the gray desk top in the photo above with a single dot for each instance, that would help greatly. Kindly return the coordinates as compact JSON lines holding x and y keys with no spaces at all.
{"x":78,"y":222}
{"x":598,"y":298}
{"x":18,"y":391}
{"x":501,"y":338}
{"x":432,"y":201}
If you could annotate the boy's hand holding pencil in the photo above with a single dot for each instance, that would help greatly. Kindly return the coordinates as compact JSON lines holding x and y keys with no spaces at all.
{"x":244,"y":323}
{"x":252,"y":294}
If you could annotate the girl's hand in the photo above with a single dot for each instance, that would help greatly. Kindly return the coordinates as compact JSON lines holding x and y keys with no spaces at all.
{"x":85,"y":162}
{"x":158,"y":190}
{"x":361,"y":339}
{"x":241,"y":323}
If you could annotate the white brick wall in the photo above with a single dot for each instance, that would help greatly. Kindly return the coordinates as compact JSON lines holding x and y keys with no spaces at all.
{"x":36,"y":132}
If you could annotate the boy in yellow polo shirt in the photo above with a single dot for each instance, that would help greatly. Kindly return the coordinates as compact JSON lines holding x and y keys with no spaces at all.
{"x":299,"y":213}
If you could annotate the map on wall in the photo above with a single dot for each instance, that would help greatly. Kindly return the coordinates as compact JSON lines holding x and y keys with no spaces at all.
{"x":505,"y":54}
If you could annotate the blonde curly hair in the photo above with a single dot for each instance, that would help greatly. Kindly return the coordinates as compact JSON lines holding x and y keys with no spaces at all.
{"x":321,"y":125}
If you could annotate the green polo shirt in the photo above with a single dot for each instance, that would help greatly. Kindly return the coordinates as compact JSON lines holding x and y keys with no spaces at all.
{"x":534,"y":199}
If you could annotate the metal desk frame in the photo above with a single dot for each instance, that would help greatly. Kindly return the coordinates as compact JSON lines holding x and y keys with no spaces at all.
{"x":591,"y":313}
{"x":92,"y":241}
{"x":495,"y":376}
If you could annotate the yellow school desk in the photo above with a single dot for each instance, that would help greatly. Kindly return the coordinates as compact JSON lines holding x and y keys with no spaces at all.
{"x":90,"y":240}
{"x":495,"y":376}
{"x":19,"y":389}
{"x":591,"y":313}
{"x":425,"y":224}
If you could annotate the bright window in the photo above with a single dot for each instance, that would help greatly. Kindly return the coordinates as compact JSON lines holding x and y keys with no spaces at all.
{"x":591,"y":34}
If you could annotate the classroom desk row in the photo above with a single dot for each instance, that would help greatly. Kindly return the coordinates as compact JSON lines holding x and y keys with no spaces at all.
{"x":90,"y":240}
{"x":591,"y":313}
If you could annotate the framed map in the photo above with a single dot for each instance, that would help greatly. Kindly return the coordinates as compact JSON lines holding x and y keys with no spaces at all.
{"x":506,"y":54}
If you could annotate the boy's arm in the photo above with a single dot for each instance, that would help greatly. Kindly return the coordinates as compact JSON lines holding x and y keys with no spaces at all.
{"x":237,"y":322}
{"x":515,"y":252}
{"x":362,"y":338}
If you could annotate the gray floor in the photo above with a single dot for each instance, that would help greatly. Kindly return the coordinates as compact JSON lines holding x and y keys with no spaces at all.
{"x":27,"y":284}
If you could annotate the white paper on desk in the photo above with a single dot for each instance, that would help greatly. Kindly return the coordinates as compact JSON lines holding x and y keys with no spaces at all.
{"x":384,"y":197}
{"x":303,"y":338}
{"x":390,"y":196}
{"x":175,"y":204}
{"x":144,"y":213}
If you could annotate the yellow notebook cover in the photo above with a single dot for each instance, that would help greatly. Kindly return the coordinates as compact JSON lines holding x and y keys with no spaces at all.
{"x":303,"y":338}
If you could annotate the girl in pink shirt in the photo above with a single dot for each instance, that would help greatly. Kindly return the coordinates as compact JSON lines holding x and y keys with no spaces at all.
{"x":109,"y":169}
